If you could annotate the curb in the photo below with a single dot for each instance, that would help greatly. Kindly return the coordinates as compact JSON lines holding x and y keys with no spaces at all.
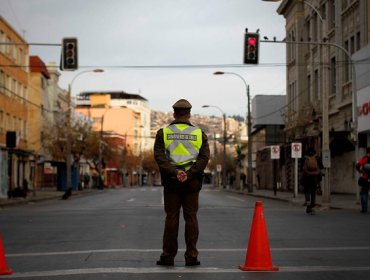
{"x":40,"y":196}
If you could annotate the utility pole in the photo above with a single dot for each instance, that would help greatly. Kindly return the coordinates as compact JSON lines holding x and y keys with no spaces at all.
{"x":69,"y":129}
{"x":224,"y":158}
{"x":69,"y":144}
{"x":249,"y":127}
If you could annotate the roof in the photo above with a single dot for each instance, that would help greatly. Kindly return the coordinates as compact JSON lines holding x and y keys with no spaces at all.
{"x":37,"y":65}
{"x":114,"y":94}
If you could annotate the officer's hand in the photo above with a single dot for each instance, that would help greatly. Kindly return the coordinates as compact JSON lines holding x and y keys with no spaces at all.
{"x":181,"y":176}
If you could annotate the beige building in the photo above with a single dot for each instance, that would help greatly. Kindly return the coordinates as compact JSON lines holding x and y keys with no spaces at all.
{"x":37,"y":89}
{"x":114,"y":120}
{"x":135,"y":126}
{"x":321,"y":37}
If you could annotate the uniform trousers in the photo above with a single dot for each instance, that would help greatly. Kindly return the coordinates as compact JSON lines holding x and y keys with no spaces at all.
{"x":173,"y":202}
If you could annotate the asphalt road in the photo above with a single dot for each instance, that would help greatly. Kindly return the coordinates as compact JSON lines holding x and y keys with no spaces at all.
{"x":117,"y":234}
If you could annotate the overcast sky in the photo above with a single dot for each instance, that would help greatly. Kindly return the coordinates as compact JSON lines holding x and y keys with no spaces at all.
{"x":171,"y":37}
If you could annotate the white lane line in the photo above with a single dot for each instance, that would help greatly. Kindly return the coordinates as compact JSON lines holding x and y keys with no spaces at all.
{"x":39,"y":254}
{"x":164,"y":270}
{"x":131,"y":200}
{"x":235,"y":198}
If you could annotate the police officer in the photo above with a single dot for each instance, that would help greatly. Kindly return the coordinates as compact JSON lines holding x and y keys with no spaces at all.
{"x":181,"y":151}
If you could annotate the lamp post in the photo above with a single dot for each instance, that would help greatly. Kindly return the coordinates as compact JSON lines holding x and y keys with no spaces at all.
{"x":224,"y":143}
{"x":249,"y":128}
{"x":100,"y":154}
{"x":134,"y":150}
{"x":69,"y":144}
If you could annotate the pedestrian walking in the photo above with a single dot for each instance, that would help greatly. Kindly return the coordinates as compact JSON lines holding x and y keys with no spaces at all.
{"x":363,"y":167}
{"x":312,"y":166}
{"x":181,"y":151}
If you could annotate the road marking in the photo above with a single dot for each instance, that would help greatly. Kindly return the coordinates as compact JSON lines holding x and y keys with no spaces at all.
{"x":235,"y":198}
{"x":131,"y":199}
{"x":177,"y":270}
{"x":39,"y":254}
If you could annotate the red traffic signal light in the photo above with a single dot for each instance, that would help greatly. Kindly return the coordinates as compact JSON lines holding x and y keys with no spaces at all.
{"x":251,"y":46}
{"x":69,"y":57}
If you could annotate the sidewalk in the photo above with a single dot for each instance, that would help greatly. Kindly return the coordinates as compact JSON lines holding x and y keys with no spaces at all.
{"x":39,"y":195}
{"x":337,"y":201}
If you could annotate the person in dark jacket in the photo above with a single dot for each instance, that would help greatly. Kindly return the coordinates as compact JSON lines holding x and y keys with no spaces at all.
{"x":181,"y":151}
{"x":312,"y":166}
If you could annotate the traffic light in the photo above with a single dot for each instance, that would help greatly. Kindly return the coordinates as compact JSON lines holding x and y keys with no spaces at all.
{"x":69,"y":57}
{"x":251,"y":48}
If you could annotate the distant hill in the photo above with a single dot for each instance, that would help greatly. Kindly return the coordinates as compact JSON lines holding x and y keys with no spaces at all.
{"x":207,"y":123}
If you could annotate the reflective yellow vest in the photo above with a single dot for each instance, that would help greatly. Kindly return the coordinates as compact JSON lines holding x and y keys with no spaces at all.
{"x":182,"y":143}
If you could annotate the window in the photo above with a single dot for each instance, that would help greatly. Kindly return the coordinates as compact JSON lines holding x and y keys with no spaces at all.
{"x":7,"y":47}
{"x":333,"y":75}
{"x":331,"y":15}
{"x":310,"y":97}
{"x":323,"y":11}
{"x":358,"y":41}
{"x":1,"y":121}
{"x":314,"y":27}
{"x":291,"y":47}
{"x":7,"y":85}
{"x":2,"y":40}
{"x":7,"y":122}
{"x":14,"y":123}
{"x":316,"y":86}
{"x":14,"y":88}
{"x":2,"y":80}
{"x":14,"y":53}
{"x":308,"y":30}
{"x":352,"y":49}
{"x":24,"y":128}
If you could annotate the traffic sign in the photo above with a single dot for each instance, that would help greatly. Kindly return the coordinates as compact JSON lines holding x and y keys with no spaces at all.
{"x":296,"y":150}
{"x":219,"y":167}
{"x":275,"y":152}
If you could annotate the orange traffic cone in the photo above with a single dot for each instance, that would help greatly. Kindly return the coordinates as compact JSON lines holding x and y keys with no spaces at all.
{"x":258,"y":253}
{"x":4,"y":269}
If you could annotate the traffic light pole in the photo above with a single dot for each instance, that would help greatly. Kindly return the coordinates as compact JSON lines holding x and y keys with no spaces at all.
{"x":249,"y":125}
{"x":69,"y":145}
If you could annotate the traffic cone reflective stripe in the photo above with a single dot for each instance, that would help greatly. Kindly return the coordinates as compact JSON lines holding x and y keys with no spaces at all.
{"x":258,"y":255}
{"x":4,"y":269}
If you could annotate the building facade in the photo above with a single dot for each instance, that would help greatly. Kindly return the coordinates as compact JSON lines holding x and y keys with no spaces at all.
{"x":129,"y":126}
{"x":322,"y":36}
{"x":15,"y":158}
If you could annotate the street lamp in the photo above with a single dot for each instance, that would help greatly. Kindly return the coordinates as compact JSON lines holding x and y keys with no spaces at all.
{"x":224,"y":143}
{"x":100,"y":181}
{"x":249,"y":128}
{"x":134,"y":151}
{"x":69,"y":148}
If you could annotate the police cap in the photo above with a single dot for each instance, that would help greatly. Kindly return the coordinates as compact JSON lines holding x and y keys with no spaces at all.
{"x":182,"y":104}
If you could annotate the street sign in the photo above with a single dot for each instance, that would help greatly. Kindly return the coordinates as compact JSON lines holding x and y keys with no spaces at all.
{"x":326,"y":159}
{"x":296,"y":150}
{"x":275,"y":152}
{"x":219,"y":167}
